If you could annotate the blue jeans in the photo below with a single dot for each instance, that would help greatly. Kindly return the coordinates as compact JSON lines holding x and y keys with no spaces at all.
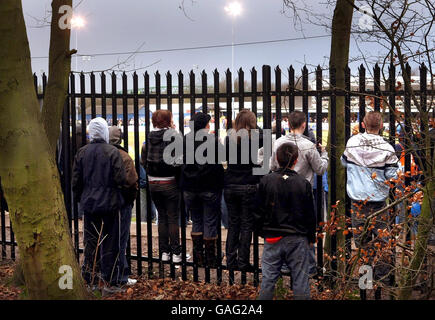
{"x":125,"y":234}
{"x":204,"y":208}
{"x":224,"y":212}
{"x":294,"y":251}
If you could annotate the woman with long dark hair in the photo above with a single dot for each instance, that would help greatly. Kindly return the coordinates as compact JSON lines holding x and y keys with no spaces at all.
{"x":240,"y":186}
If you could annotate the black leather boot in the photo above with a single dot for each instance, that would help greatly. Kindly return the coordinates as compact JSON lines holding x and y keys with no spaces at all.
{"x":198,"y":248}
{"x":210,"y":252}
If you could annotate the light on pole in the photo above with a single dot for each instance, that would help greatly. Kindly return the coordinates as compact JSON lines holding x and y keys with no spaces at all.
{"x":234,"y":9}
{"x":76,"y":24}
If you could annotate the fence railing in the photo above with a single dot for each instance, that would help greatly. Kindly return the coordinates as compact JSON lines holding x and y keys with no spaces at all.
{"x":273,"y":102}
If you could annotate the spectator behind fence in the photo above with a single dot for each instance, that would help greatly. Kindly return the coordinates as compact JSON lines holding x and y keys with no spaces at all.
{"x":202,"y":186}
{"x":98,"y":178}
{"x":370,"y":161}
{"x":239,"y":191}
{"x":163,"y":186}
{"x":309,"y":161}
{"x":286,"y":218}
{"x":129,"y":193}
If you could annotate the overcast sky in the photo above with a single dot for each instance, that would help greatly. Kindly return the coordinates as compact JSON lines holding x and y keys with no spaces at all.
{"x":114,"y":26}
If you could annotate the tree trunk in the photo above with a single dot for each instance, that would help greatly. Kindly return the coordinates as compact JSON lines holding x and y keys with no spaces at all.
{"x":29,"y":173}
{"x":339,"y":56}
{"x":59,"y":69}
{"x":425,"y":222}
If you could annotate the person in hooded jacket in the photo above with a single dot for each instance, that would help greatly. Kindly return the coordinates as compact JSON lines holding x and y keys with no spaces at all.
{"x":98,"y":178}
{"x":129,"y":193}
{"x":202,"y":186}
{"x":163,"y":185}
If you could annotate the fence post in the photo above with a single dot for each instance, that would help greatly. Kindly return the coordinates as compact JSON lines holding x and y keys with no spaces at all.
{"x":93,"y":102}
{"x":44,"y":83}
{"x":254,"y":90}
{"x":74,"y":151}
{"x":362,"y":97}
{"x":305,"y":97}
{"x":137,"y":167}
{"x":319,"y":190}
{"x":148,"y":195}
{"x":424,"y":119}
{"x":267,"y":108}
{"x":192,"y":93}
{"x":169,"y":90}
{"x":83,"y":107}
{"x":377,"y":87}
{"x":333,"y":157}
{"x":241,"y":88}
{"x":392,"y":102}
{"x":347,"y":134}
{"x":66,"y":162}
{"x":291,"y":88}
{"x":204,"y":91}
{"x":35,"y":83}
{"x":182,"y":207}
{"x":158,"y":90}
{"x":278,"y":113}
{"x":216,"y":136}
{"x":229,"y":93}
{"x":114,"y":102}
{"x":103,"y":96}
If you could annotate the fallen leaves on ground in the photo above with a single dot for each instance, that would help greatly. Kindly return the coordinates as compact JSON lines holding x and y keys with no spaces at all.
{"x":7,"y":291}
{"x":168,"y":289}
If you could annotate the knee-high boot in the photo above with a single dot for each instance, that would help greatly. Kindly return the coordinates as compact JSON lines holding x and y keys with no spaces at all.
{"x":210,"y":252}
{"x":198,"y":248}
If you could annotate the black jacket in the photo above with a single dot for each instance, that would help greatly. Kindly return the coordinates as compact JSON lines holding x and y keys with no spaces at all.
{"x":285,"y":206}
{"x":98,"y":178}
{"x":238,"y":173}
{"x":154,"y":164}
{"x":201,"y":177}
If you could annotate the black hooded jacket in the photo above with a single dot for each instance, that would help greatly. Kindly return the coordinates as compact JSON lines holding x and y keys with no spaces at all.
{"x":202,"y":177}
{"x":285,"y":206}
{"x":98,"y":178}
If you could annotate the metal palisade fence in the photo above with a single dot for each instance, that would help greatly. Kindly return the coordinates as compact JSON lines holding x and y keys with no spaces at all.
{"x":270,"y":99}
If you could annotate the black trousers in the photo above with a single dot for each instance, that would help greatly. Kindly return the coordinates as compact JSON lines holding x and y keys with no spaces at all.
{"x":240,"y":201}
{"x":166,"y":197}
{"x":105,"y":257}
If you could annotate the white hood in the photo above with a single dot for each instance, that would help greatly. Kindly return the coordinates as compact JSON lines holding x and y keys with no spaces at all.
{"x":98,"y":129}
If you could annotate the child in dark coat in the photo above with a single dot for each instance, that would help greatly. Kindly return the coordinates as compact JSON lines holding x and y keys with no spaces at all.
{"x":285,"y":217}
